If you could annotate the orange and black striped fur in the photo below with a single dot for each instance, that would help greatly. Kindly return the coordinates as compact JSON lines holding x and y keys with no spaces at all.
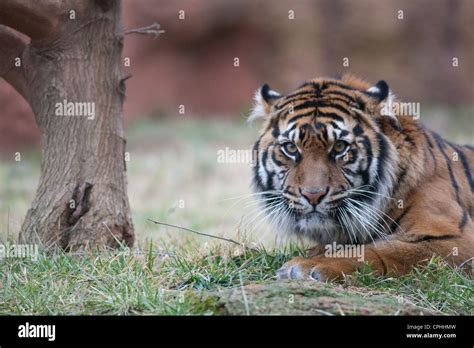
{"x":332,"y":167}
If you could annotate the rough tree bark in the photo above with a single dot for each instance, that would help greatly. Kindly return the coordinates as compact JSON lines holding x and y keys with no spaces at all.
{"x":81,"y":198}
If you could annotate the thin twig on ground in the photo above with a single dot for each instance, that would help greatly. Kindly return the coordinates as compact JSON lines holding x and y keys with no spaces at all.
{"x":196,"y":232}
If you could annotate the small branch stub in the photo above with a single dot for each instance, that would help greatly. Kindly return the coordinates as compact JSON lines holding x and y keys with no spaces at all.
{"x":154,"y":29}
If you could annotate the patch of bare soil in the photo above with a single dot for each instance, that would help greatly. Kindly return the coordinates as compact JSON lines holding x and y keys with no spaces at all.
{"x":310,"y":298}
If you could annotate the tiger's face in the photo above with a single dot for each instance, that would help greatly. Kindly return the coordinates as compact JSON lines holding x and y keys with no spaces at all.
{"x":324,"y":168}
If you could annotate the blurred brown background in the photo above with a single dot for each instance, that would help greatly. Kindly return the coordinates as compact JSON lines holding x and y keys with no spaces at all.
{"x":193,"y":62}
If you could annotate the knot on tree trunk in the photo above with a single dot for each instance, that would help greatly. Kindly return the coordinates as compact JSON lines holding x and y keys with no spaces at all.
{"x":79,"y":204}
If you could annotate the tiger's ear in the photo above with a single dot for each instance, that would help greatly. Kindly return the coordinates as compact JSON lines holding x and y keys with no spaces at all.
{"x":383,"y":97}
{"x":379,"y":91}
{"x":264,"y":99}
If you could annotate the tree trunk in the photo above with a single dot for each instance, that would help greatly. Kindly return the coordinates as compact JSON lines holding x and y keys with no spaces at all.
{"x":81,"y":198}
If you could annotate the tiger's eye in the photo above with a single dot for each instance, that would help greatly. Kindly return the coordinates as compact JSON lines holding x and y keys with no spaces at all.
{"x":290,"y":147}
{"x":339,"y":146}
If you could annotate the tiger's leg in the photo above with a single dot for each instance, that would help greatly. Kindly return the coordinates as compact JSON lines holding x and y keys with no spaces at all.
{"x":388,"y":257}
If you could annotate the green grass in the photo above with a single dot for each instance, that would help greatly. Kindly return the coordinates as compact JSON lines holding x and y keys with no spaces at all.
{"x":436,"y":286}
{"x":128,"y":281}
{"x":150,"y":281}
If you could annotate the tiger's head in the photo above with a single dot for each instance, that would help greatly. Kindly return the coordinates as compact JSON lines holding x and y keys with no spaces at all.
{"x":324,"y":168}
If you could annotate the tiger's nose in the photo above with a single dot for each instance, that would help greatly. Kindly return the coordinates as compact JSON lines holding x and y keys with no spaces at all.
{"x":314,"y":195}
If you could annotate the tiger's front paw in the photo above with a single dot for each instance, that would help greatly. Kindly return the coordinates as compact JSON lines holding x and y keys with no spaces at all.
{"x":301,"y":268}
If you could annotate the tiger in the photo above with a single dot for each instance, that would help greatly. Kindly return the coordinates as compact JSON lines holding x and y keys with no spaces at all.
{"x":335,"y":165}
